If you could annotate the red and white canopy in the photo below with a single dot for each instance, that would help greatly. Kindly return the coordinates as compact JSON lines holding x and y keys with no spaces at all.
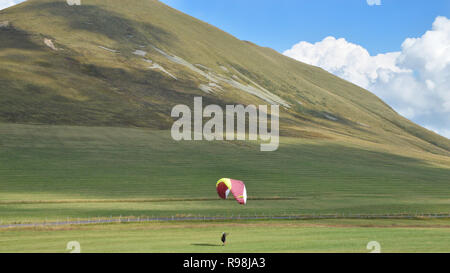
{"x":226,"y":185}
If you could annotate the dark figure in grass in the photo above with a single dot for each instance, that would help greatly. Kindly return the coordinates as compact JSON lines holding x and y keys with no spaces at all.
{"x":224,"y":238}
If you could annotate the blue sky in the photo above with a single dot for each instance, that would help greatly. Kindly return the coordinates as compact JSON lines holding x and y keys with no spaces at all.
{"x":282,"y":23}
{"x":397,"y":49}
{"x":279,"y":24}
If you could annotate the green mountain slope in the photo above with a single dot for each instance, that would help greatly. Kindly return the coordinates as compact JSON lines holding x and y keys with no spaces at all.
{"x":127,"y":63}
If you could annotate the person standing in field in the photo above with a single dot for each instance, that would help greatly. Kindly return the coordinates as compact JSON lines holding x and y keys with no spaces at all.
{"x":224,"y":238}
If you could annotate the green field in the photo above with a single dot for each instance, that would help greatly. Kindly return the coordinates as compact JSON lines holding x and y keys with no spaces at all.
{"x":55,"y":172}
{"x":84,"y":132}
{"x":245,"y":236}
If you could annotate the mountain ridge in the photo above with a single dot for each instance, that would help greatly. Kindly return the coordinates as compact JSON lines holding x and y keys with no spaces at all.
{"x":128,"y":64}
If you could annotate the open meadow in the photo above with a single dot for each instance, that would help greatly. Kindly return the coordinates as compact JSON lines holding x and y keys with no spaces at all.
{"x":55,"y":172}
{"x":244,"y":236}
{"x":51,"y":173}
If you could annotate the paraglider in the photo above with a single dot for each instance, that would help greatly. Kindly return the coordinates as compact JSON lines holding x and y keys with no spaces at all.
{"x":226,"y":185}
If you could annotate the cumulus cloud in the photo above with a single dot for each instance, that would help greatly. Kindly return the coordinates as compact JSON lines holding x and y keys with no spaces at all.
{"x":415,"y":81}
{"x":373,"y":2}
{"x":347,"y":60}
{"x":8,"y":3}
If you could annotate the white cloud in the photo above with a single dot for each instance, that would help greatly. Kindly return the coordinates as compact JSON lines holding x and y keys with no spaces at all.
{"x":415,"y":81}
{"x":373,"y":2}
{"x":347,"y":60}
{"x":8,"y":3}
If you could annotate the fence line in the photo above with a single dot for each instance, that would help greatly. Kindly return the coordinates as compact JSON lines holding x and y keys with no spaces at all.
{"x":133,"y":219}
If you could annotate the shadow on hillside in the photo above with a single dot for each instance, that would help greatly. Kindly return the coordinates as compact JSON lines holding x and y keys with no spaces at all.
{"x":17,"y":39}
{"x":104,"y":22}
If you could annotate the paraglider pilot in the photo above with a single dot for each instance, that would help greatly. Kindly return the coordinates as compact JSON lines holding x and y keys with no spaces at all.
{"x":224,"y":238}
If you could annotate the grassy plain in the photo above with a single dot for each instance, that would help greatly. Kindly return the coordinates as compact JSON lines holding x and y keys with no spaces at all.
{"x":54,"y":172}
{"x":245,"y":236}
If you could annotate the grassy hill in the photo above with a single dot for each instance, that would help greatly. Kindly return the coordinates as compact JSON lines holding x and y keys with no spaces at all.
{"x":86,"y":94}
{"x":96,"y":83}
{"x":128,"y":63}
